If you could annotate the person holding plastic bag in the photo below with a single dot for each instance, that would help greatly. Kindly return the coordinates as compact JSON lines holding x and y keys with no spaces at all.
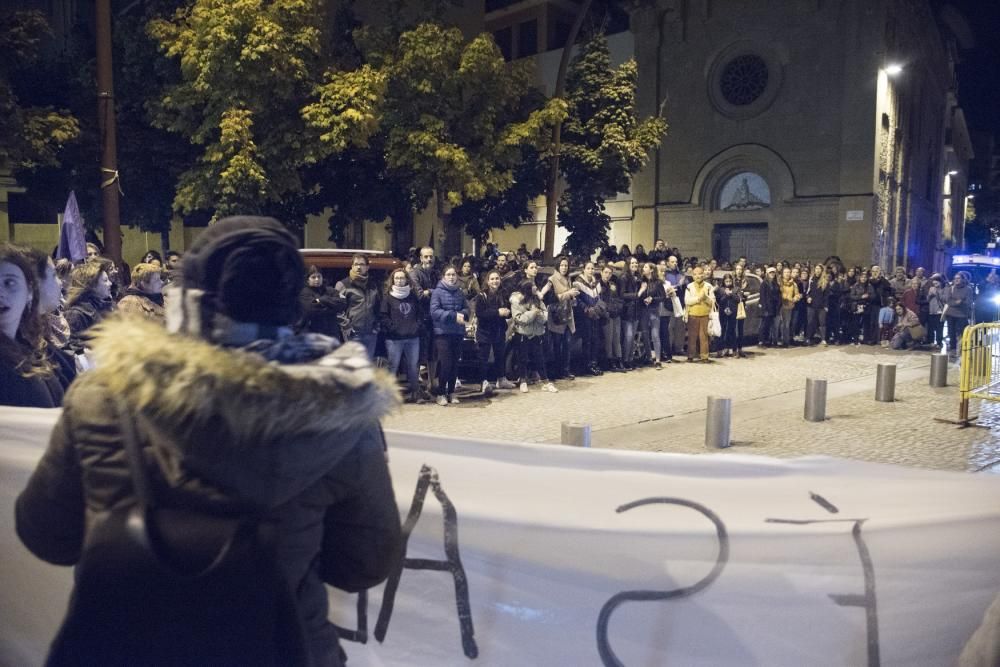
{"x":699,"y":299}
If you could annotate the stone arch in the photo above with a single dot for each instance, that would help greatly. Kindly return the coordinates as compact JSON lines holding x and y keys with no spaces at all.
{"x":755,"y":158}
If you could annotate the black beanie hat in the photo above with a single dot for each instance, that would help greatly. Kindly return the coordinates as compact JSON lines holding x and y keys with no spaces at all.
{"x":249,"y":268}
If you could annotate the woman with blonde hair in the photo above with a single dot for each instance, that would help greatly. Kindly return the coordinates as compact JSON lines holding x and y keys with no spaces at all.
{"x":89,"y":297}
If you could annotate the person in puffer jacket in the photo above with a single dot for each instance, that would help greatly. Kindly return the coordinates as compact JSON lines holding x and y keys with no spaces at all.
{"x":234,"y":414}
{"x":449,"y":313}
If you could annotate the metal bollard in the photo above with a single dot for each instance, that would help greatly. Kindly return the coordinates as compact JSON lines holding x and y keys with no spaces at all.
{"x":939,"y":369}
{"x":575,"y":434}
{"x":885,"y":383}
{"x":815,"y":410}
{"x":717,"y":420}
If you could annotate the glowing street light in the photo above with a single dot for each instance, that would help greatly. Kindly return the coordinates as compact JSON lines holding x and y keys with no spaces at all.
{"x":894,"y":69}
{"x":953,"y":172}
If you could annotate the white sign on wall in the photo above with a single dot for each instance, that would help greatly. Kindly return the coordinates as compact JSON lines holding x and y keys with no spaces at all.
{"x":855,"y":215}
{"x":551,"y":555}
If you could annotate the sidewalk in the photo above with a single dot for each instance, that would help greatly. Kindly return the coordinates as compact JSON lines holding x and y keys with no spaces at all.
{"x":664,"y":410}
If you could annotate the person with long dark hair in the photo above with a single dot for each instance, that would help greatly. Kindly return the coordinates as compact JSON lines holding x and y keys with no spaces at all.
{"x":591,"y":311}
{"x":817,"y":300}
{"x":27,"y":377}
{"x":651,"y":295}
{"x":863,"y":301}
{"x":727,"y":298}
{"x":492,"y":314}
{"x":741,"y":287}
{"x":561,"y":322}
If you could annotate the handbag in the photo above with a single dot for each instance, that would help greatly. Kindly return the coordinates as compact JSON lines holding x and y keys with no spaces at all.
{"x":678,"y":308}
{"x":741,"y":311}
{"x":159,"y":585}
{"x":714,"y":325}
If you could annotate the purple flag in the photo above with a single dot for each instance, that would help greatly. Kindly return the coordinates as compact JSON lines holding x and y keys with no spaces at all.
{"x":72,"y":241}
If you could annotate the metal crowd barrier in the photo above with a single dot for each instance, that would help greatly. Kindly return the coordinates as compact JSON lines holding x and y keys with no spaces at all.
{"x":980,"y":366}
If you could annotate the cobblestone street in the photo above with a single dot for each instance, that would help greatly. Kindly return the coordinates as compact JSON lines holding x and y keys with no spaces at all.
{"x":665,"y":410}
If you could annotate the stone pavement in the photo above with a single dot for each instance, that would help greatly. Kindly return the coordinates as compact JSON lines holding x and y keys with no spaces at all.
{"x":665,"y":410}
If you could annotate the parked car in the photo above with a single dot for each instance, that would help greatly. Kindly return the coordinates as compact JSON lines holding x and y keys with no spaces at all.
{"x":335,"y":263}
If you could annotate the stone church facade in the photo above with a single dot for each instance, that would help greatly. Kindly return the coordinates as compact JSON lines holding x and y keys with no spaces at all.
{"x":795,"y":134}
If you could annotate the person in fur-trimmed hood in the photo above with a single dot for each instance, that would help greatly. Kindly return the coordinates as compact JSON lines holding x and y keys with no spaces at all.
{"x":234,"y":413}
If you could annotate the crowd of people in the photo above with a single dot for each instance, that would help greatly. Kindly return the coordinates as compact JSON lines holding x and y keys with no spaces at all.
{"x":530,"y":323}
{"x":263,"y":378}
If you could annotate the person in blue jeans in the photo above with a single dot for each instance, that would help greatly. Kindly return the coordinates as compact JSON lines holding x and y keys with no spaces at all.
{"x":401,"y":323}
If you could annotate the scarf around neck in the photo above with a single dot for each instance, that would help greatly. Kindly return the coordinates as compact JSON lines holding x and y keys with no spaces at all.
{"x":356,"y":277}
{"x":400,"y":292}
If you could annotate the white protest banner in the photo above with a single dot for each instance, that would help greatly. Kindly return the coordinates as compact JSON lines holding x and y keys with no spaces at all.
{"x":549,"y":555}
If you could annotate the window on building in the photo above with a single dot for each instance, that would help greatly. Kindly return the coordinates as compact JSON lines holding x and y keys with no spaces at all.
{"x":23,"y":210}
{"x":745,"y":191}
{"x":527,"y":38}
{"x":560,"y":33}
{"x":504,"y":40}
{"x":744,"y":79}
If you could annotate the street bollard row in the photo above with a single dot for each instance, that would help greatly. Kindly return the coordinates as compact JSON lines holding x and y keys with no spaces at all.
{"x":718,"y":415}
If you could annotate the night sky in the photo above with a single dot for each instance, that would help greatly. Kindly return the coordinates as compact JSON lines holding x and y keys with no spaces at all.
{"x":979,"y":71}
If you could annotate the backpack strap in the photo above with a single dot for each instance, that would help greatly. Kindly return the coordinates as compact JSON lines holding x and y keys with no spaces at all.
{"x":136,"y":462}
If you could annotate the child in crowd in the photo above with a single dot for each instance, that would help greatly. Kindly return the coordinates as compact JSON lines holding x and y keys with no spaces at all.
{"x":886,"y":321}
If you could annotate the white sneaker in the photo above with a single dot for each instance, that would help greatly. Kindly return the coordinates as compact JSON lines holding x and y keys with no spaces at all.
{"x":453,"y":399}
{"x":549,"y":387}
{"x":824,"y":343}
{"x":486,"y":387}
{"x":504,"y":383}
{"x":458,"y":383}
{"x":441,"y":400}
{"x":524,"y":387}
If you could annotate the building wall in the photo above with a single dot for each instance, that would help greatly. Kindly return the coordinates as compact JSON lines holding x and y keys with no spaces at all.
{"x":852,"y":156}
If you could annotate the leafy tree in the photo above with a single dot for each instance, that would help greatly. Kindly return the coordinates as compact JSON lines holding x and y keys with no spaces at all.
{"x":603,"y":143}
{"x":451,"y":117}
{"x":247,"y":67}
{"x":31,"y":136}
{"x":149,"y":159}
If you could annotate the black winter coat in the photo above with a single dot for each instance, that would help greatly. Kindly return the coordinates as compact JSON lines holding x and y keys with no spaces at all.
{"x":727,"y":302}
{"x":316,"y":467}
{"x":630,"y":297}
{"x":489,"y":322}
{"x":82,"y":315}
{"x":770,"y":298}
{"x":321,"y":309}
{"x":816,"y":296}
{"x":31,"y":392}
{"x":612,"y":298}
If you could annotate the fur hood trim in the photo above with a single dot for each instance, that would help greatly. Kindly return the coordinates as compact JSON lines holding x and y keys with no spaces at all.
{"x":192,"y":388}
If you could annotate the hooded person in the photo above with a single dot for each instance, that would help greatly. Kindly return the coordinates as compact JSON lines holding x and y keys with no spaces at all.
{"x":233,"y":413}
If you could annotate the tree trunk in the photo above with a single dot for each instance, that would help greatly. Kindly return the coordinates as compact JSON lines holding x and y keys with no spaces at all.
{"x":551,"y":197}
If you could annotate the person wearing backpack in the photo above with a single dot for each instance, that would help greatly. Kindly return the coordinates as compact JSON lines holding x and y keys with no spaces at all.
{"x":233,"y":417}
